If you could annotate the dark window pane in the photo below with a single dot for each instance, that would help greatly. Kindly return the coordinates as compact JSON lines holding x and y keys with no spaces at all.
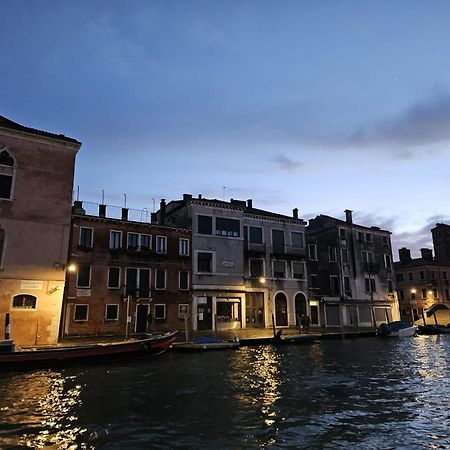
{"x":114,"y":277}
{"x":81,"y":312}
{"x":131,"y":281}
{"x":205,"y":225}
{"x":84,"y":276}
{"x":278,"y":240}
{"x":160,"y":279}
{"x":144,"y":283}
{"x":184,"y":280}
{"x":227,"y":227}
{"x":160,"y":311}
{"x":86,"y":237}
{"x":256,"y":268}
{"x":5,"y":186}
{"x":256,"y":235}
{"x":112,"y":312}
{"x":204,"y":262}
{"x":24,"y":301}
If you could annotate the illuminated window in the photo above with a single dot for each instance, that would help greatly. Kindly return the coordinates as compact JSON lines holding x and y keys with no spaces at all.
{"x":24,"y":301}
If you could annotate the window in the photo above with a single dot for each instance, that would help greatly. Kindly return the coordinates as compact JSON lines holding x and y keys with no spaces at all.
{"x":278,"y":240}
{"x":401,"y":294}
{"x":112,"y":312}
{"x":115,"y":239}
{"x":204,"y":262}
{"x":342,"y":234}
{"x":161,"y":244}
{"x":387,"y":261}
{"x":368,"y":237}
{"x":183,"y":311}
{"x":113,"y":277}
{"x":390,"y":286}
{"x":344,"y":254}
{"x":86,"y":235}
{"x":145,"y":242}
{"x":256,"y":268}
{"x":312,"y":252}
{"x":399,"y":277}
{"x":80,"y":313}
{"x":6,"y":175}
{"x":447,"y":294}
{"x":424,"y":293}
{"x":347,"y":285}
{"x":410,"y":276}
{"x":384,"y":240}
{"x":133,"y":241}
{"x":433,"y":275}
{"x":297,"y":239}
{"x":444,"y":275}
{"x":422,"y":275}
{"x":227,"y":227}
{"x":370,"y":284}
{"x":435,"y":293}
{"x":367,"y":259}
{"x":255,"y":235}
{"x":2,"y":245}
{"x":334,"y":284}
{"x":183,"y":280}
{"x":183,"y":247}
{"x":360,"y":236}
{"x":84,"y":277}
{"x":160,"y":311}
{"x":279,"y":269}
{"x":412,"y":295}
{"x":160,"y":279}
{"x":314,"y":281}
{"x":298,"y":270}
{"x":204,"y":225}
{"x":137,"y":282}
{"x":24,"y":301}
{"x":332,"y":254}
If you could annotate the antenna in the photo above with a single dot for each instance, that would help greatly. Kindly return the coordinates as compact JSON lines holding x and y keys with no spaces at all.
{"x":125,"y":200}
{"x":78,"y":192}
{"x":103,"y":197}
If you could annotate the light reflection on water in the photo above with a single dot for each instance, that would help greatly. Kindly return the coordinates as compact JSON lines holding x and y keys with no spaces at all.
{"x":351,"y":394}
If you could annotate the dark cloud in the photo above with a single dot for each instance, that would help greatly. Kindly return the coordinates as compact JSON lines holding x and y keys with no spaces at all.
{"x":425,"y":123}
{"x":286,"y":164}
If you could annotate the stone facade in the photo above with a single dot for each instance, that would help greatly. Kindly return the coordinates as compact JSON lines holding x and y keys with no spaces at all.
{"x":36,"y":181}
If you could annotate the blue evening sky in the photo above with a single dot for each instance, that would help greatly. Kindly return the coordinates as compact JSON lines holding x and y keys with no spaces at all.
{"x":320,"y":105}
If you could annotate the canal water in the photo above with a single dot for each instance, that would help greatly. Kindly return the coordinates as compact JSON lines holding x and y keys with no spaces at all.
{"x":365,"y":393}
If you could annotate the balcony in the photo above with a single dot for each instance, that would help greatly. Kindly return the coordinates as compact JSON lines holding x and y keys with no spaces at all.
{"x":254,"y":249}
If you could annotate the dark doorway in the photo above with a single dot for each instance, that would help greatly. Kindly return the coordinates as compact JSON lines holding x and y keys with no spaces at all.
{"x":141,"y":318}
{"x":300,"y":307}
{"x":254,"y":309}
{"x":204,"y":313}
{"x":281,"y":310}
{"x":314,"y":315}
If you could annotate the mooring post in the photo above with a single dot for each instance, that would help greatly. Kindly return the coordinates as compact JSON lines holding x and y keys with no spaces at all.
{"x":7,"y":327}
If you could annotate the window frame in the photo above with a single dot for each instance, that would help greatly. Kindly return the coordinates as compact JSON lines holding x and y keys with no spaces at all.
{"x":198,"y":224}
{"x":213,"y":261}
{"x":285,"y":268}
{"x":91,"y":244}
{"x":78,"y":276}
{"x":75,"y":312}
{"x":164,"y":308}
{"x":119,"y":233}
{"x":183,"y":315}
{"x":106,"y":312}
{"x":25,"y":308}
{"x":187,"y":279}
{"x":119,"y":278}
{"x":12,"y":174}
{"x":182,"y":241}
{"x":304,"y":270}
{"x":316,"y":255}
{"x":157,"y":270}
{"x":302,"y":239}
{"x":160,"y":238}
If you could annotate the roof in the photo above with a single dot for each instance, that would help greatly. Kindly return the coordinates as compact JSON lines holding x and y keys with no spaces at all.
{"x":323,"y":218}
{"x":415,"y":262}
{"x":9,"y":124}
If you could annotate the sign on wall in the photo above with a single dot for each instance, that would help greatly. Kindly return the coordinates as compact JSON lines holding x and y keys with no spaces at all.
{"x":31,"y":285}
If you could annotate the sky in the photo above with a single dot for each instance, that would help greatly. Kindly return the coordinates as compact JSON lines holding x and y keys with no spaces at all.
{"x":321,"y":106}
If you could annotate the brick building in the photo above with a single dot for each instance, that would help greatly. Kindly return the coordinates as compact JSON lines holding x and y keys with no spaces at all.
{"x":117,"y":259}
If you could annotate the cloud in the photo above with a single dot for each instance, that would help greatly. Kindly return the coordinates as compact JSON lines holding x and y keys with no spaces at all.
{"x":425,"y":123}
{"x":286,"y":164}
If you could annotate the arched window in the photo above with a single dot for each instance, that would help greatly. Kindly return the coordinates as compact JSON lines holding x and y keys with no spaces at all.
{"x":24,"y":301}
{"x":6,"y":175}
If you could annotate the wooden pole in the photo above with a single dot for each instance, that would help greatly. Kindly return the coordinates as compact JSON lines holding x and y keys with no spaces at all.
{"x":423,"y":317}
{"x":435,"y":320}
{"x":299,"y":324}
{"x":387,"y":315}
{"x":273,"y":326}
{"x":341,"y":321}
{"x":127,"y":327}
{"x":186,"y":328}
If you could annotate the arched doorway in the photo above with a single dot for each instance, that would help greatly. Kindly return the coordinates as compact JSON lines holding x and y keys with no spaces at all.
{"x":300,"y":307}
{"x":281,"y":310}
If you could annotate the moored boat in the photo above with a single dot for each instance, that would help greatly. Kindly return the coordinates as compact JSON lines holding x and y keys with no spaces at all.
{"x":90,"y":353}
{"x":206,"y":343}
{"x":293,"y":338}
{"x":398,"y":328}
{"x":433,"y":329}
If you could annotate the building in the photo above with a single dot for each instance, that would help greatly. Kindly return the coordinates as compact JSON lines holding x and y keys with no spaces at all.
{"x":441,"y":242}
{"x":36,"y":181}
{"x":421,"y":282}
{"x":125,"y":267}
{"x":351,"y":277}
{"x":247,"y":264}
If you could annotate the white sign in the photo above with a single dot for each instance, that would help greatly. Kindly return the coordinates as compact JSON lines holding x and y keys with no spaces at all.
{"x":228,"y":263}
{"x":83,"y":292}
{"x":31,"y":285}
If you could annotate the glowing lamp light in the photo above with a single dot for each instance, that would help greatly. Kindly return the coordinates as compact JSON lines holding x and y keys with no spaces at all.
{"x":413,"y":291}
{"x":262,"y":280}
{"x":72,"y":267}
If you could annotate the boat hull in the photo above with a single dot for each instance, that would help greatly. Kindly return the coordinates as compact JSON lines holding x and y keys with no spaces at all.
{"x":92,"y":353}
{"x":397,"y":329}
{"x":193,"y":346}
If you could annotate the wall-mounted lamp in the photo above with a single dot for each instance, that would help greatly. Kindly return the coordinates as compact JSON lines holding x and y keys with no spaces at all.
{"x":262,"y":280}
{"x":72,"y":267}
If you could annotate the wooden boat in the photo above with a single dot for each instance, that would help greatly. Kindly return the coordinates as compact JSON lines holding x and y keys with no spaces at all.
{"x":206,"y":343}
{"x":293,"y":338}
{"x":90,"y":353}
{"x":433,"y":329}
{"x":398,"y":328}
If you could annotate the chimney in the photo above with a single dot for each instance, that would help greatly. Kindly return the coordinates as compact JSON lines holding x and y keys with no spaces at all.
{"x":249,"y":203}
{"x":154,"y":218}
{"x":427,"y":254}
{"x":404,"y":254}
{"x":199,"y":196}
{"x":124,"y":213}
{"x":187,"y":197}
{"x":101,"y":210}
{"x":295,"y":213}
{"x":77,"y":208}
{"x":162,"y":211}
{"x":348,"y":216}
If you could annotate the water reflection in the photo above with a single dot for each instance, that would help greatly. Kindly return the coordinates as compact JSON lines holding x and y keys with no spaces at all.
{"x":42,"y":405}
